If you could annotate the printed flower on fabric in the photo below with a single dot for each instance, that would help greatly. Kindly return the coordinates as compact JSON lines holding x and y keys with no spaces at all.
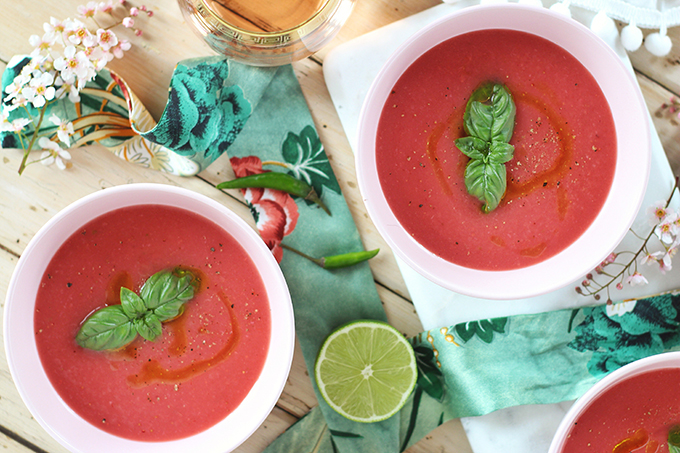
{"x":651,"y":327}
{"x":202,"y":116}
{"x":275,"y":212}
{"x":305,"y":157}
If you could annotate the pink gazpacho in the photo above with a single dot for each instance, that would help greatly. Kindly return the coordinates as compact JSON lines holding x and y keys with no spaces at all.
{"x":206,"y":360}
{"x":634,"y":415}
{"x":564,"y":159}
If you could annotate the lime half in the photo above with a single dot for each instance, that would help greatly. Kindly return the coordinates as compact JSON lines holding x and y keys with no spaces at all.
{"x":366,"y":371}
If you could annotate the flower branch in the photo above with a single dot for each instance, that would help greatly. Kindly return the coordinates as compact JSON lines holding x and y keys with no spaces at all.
{"x":617,"y":270}
{"x":65,"y":58}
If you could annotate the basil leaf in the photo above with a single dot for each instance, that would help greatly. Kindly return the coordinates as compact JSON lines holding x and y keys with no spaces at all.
{"x":489,"y":120}
{"x":472,"y":147}
{"x":674,"y":440}
{"x":165,"y":294}
{"x":486,"y":181}
{"x":149,"y":326}
{"x":107,"y":328}
{"x":161,"y":298}
{"x":501,"y":152}
{"x":503,"y":114}
{"x":132,"y":304}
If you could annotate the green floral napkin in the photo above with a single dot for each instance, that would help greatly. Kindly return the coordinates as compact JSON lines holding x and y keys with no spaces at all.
{"x":259,"y":117}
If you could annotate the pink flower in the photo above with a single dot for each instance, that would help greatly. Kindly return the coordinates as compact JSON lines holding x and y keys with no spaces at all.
{"x":106,"y":39}
{"x":128,"y":22}
{"x":88,"y":10}
{"x":275,"y":212}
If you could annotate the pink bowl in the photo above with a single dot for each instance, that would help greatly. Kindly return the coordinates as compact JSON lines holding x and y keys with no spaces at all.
{"x":42,"y":400}
{"x":631,"y":173}
{"x":666,"y":360}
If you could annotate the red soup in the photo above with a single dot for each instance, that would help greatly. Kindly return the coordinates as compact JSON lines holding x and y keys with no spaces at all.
{"x":205,"y":361}
{"x":634,"y":415}
{"x":563,"y":165}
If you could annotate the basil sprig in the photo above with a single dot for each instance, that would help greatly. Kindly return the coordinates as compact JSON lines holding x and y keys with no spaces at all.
{"x":674,"y":440}
{"x":161,"y":298}
{"x":489,"y":120}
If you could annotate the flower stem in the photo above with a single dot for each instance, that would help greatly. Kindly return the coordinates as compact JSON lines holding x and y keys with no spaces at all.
{"x":28,"y":149}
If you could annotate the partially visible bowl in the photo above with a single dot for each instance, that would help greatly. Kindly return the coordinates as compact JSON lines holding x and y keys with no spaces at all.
{"x":619,"y":209}
{"x":635,"y":401}
{"x":36,"y":389}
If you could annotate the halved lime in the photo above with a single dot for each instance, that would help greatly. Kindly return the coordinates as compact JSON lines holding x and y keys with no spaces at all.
{"x":366,"y":370}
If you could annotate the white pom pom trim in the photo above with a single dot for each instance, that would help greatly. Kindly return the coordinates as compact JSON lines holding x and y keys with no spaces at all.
{"x":631,"y":37}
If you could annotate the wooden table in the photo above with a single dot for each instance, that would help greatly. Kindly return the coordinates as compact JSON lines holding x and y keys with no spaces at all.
{"x":28,"y":201}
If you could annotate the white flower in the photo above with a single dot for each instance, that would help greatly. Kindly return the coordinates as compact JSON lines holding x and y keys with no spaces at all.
{"x":123,"y":46}
{"x":74,"y":64}
{"x":53,"y":153}
{"x":65,"y":129}
{"x":128,"y":22}
{"x":106,"y":39}
{"x":666,"y":230}
{"x":88,"y":10}
{"x":620,"y":308}
{"x":15,"y":126}
{"x":44,"y":43}
{"x":651,"y":258}
{"x":658,"y":212}
{"x":55,"y":27}
{"x":106,"y":7}
{"x":40,"y":90}
{"x":636,"y":279}
{"x":77,"y":33}
{"x":67,"y":88}
{"x":665,"y":262}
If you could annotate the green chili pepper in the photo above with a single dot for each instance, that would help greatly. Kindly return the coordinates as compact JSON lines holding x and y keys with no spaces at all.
{"x":276,"y":181}
{"x":337,"y":261}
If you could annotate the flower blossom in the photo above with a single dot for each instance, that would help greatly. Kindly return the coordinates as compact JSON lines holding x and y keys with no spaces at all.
{"x":106,"y":39}
{"x":74,"y":65}
{"x":15,"y":126}
{"x":53,"y":153}
{"x":88,"y":10}
{"x":636,"y":279}
{"x":666,"y":230}
{"x":39,"y":90}
{"x":657,"y":212}
{"x":65,"y":129}
{"x":128,"y":22}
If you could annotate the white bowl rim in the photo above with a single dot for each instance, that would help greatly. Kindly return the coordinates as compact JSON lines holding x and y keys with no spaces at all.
{"x":630,"y":180}
{"x":664,"y":360}
{"x":35,"y":389}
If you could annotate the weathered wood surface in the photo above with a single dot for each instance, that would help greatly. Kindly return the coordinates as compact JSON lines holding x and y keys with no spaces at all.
{"x":28,"y":201}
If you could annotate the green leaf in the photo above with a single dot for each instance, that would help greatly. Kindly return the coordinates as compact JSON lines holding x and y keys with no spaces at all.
{"x":107,"y":328}
{"x":501,"y":152}
{"x":161,"y":298}
{"x":472,"y":147}
{"x":165,"y":293}
{"x":132,"y":304}
{"x":486,"y":181}
{"x":674,"y":440}
{"x":149,"y":326}
{"x":489,"y":120}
